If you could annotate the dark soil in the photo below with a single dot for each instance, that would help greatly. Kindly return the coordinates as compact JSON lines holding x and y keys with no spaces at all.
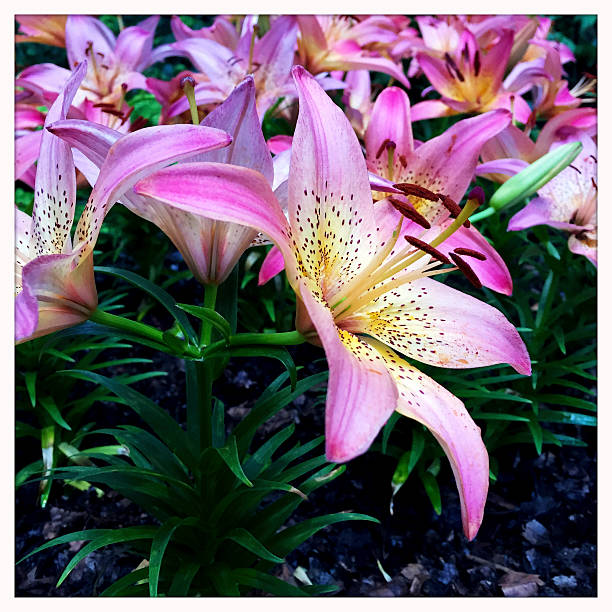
{"x":537,"y":538}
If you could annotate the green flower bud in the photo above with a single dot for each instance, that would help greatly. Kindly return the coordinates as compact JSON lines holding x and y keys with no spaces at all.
{"x":535,"y":176}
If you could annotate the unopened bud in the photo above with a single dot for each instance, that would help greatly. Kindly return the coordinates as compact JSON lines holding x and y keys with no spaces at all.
{"x":535,"y":176}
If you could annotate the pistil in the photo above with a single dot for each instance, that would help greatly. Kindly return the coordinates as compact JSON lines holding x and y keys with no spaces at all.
{"x":187,"y":85}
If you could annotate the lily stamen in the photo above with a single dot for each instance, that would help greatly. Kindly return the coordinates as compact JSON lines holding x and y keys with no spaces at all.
{"x":466,"y":269}
{"x":408,"y":211}
{"x":424,"y":246}
{"x":471,"y":253}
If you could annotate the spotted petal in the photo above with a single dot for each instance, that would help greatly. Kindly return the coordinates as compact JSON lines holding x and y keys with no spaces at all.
{"x":330,"y":202}
{"x":424,"y":400}
{"x":361,"y":395}
{"x":435,"y":324}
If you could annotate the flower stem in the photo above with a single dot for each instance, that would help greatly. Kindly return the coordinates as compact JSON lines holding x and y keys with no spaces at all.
{"x":133,"y":327}
{"x":205,"y":373}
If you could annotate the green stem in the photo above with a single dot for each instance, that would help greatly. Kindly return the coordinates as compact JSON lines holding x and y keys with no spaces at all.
{"x":483,"y":214}
{"x":140,"y":329}
{"x":133,"y":327}
{"x":205,"y":373}
{"x":291,"y":338}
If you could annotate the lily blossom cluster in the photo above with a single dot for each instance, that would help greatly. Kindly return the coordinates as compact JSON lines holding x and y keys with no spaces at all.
{"x":362,"y":216}
{"x":363,"y":293}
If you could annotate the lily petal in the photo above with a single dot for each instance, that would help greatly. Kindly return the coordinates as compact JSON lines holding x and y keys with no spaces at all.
{"x":361,"y":395}
{"x":81,"y":31}
{"x":329,"y":192}
{"x":424,"y":400}
{"x":272,"y":265}
{"x":438,"y":325}
{"x":390,"y":121}
{"x":225,"y":193}
{"x":133,"y":157}
{"x":492,"y":272}
{"x":55,"y":187}
{"x":134,"y":46}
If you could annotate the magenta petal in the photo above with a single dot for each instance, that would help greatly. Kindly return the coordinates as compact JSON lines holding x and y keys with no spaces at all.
{"x":26,"y":315}
{"x":540,"y":211}
{"x":447,"y":163}
{"x":272,"y":265}
{"x":225,"y":193}
{"x":435,"y":324}
{"x":424,"y":400}
{"x":238,"y":117}
{"x":390,"y":122}
{"x":55,"y":188}
{"x":509,"y":167}
{"x":134,"y":156}
{"x":81,"y":31}
{"x":26,"y":152}
{"x":492,"y":272}
{"x":361,"y":395}
{"x":134,"y":46}
{"x":430,"y":109}
{"x":279,"y":143}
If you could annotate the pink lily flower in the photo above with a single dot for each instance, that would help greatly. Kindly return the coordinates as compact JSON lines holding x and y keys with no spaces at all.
{"x":54,"y":279}
{"x":444,"y":165}
{"x":332,"y":42}
{"x":210,"y":248}
{"x":361,"y":294}
{"x":469,"y":80}
{"x":510,"y":151}
{"x":544,"y":76}
{"x":568,"y":202}
{"x":268,"y":59}
{"x":357,"y":98}
{"x":114,"y":67}
{"x":46,"y":29}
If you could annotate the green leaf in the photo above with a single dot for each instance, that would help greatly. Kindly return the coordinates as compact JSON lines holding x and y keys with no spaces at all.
{"x":160,"y":422}
{"x":157,"y":293}
{"x":291,"y":537}
{"x":48,"y":403}
{"x":536,"y":434}
{"x":126,"y":534}
{"x":158,"y":548}
{"x":209,"y":315}
{"x":30,"y":381}
{"x":387,"y":429}
{"x":271,"y":404}
{"x":229,"y":454}
{"x":408,"y":460}
{"x":433,"y":490}
{"x":115,"y":589}
{"x":264,"y":582}
{"x":247,"y":540}
{"x":183,"y":578}
{"x":258,"y":461}
{"x":499,"y":416}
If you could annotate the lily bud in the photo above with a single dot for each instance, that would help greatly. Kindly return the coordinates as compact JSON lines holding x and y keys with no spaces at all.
{"x":535,"y":176}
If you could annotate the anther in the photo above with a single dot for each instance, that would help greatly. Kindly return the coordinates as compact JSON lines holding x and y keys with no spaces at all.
{"x":409,"y":212}
{"x":450,"y":62}
{"x":417,"y":190}
{"x":386,"y":144}
{"x":594,"y":183}
{"x":477,"y":63}
{"x":453,"y":208}
{"x":466,"y":269}
{"x":427,"y":248}
{"x":470,"y":253}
